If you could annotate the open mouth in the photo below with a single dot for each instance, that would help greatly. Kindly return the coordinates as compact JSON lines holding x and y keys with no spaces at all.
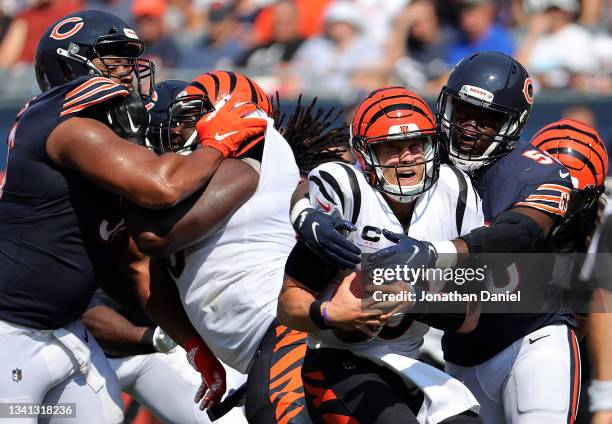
{"x":406,"y":174}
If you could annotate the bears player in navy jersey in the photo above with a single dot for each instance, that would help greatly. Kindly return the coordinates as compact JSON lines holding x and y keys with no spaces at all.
{"x":68,"y":163}
{"x":522,"y":368}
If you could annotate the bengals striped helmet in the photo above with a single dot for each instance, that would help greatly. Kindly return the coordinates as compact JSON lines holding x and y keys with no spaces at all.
{"x":580,"y":149}
{"x":391,"y":115}
{"x":208,"y":92}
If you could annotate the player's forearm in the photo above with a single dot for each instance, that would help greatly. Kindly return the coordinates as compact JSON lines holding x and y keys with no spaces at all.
{"x":176,"y":177}
{"x":160,"y":233}
{"x":294,"y":306}
{"x":161,"y":301}
{"x":600,"y":336}
{"x":108,"y":326}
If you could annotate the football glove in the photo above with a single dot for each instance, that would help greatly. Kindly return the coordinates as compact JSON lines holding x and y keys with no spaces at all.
{"x":229,"y":130}
{"x":129,"y":119}
{"x":213,"y":374}
{"x":321,"y":234}
{"x":407,"y":251}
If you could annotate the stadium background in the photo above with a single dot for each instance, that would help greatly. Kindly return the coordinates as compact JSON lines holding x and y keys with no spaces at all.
{"x":338,"y":50}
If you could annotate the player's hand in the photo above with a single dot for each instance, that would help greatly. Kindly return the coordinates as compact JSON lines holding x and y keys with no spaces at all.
{"x":321,"y":233}
{"x":407,"y":251}
{"x":129,"y":119}
{"x":213,"y":374}
{"x":229,"y":130}
{"x":162,"y":342}
{"x":346,"y":312}
{"x":602,"y":417}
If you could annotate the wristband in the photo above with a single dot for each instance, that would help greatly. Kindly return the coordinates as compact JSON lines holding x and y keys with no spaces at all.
{"x":324,"y":314}
{"x":600,"y":394}
{"x":447,"y":253}
{"x":316,"y":315}
{"x":298,"y":208}
{"x":146,"y":341}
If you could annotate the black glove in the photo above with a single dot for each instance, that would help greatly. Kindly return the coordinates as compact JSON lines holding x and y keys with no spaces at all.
{"x":129,"y":119}
{"x":321,"y":233}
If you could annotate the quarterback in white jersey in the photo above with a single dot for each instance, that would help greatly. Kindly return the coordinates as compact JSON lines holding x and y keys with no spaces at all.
{"x":399,"y":186}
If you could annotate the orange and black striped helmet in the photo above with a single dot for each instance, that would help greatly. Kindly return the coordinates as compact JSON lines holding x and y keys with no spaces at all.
{"x":393,"y":114}
{"x":206,"y":92}
{"x":218,"y":84}
{"x":580,"y":149}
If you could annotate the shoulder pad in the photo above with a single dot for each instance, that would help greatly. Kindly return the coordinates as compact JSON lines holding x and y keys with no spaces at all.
{"x":90,"y":92}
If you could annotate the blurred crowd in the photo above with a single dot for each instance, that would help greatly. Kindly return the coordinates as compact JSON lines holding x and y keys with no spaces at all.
{"x":343,"y":48}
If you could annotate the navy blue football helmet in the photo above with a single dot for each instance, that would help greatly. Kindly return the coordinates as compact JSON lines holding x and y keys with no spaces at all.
{"x":483,"y":108}
{"x":174,"y":114}
{"x":66,"y":51}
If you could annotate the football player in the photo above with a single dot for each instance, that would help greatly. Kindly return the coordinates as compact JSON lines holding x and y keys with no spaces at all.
{"x":60,"y":200}
{"x":398,"y":186}
{"x":143,"y":356}
{"x":229,"y":265}
{"x":600,"y":322}
{"x":522,"y":368}
{"x":483,"y":109}
{"x":580,"y":149}
{"x":140,"y":352}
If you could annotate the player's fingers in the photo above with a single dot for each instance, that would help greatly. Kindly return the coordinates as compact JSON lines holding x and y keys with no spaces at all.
{"x":391,"y":236}
{"x":345,"y":226}
{"x":245,"y":109}
{"x":201,"y":392}
{"x":346,"y":245}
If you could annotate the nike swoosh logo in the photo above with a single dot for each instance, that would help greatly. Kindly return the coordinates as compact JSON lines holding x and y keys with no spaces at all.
{"x":325,"y":207}
{"x":532,"y":341}
{"x":107,"y":231}
{"x":314,"y":231}
{"x":221,"y":137}
{"x":416,"y":251}
{"x":132,"y":126}
{"x":563,"y":174}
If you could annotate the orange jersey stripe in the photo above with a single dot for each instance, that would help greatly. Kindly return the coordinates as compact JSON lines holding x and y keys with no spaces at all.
{"x":89,"y":94}
{"x":93,"y":102}
{"x":86,"y":85}
{"x":540,"y":206}
{"x":544,"y":197}
{"x":554,"y":187}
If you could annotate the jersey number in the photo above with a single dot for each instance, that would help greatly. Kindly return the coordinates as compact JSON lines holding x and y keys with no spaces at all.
{"x":540,"y":157}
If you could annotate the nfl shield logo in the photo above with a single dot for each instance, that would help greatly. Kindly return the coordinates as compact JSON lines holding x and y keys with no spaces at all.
{"x":17,"y":375}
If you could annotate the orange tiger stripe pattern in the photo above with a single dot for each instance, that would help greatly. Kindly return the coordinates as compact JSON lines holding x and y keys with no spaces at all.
{"x":286,"y":389}
{"x":579,"y":148}
{"x":218,"y":84}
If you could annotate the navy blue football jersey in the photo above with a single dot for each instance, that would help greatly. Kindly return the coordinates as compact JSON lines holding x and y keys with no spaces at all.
{"x":525,"y":177}
{"x":53,"y":222}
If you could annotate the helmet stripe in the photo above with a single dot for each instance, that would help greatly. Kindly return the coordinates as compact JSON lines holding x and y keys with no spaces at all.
{"x":575,"y":154}
{"x":391,"y":108}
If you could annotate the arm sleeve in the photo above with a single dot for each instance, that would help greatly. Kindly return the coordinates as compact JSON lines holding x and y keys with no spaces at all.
{"x":306,"y":267}
{"x":333,"y":188}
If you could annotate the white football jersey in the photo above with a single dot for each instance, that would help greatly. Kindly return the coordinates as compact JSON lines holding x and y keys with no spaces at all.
{"x":231,"y":280}
{"x":450,"y":208}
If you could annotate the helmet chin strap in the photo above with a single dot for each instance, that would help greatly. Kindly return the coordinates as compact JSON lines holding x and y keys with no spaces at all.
{"x":187,"y":148}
